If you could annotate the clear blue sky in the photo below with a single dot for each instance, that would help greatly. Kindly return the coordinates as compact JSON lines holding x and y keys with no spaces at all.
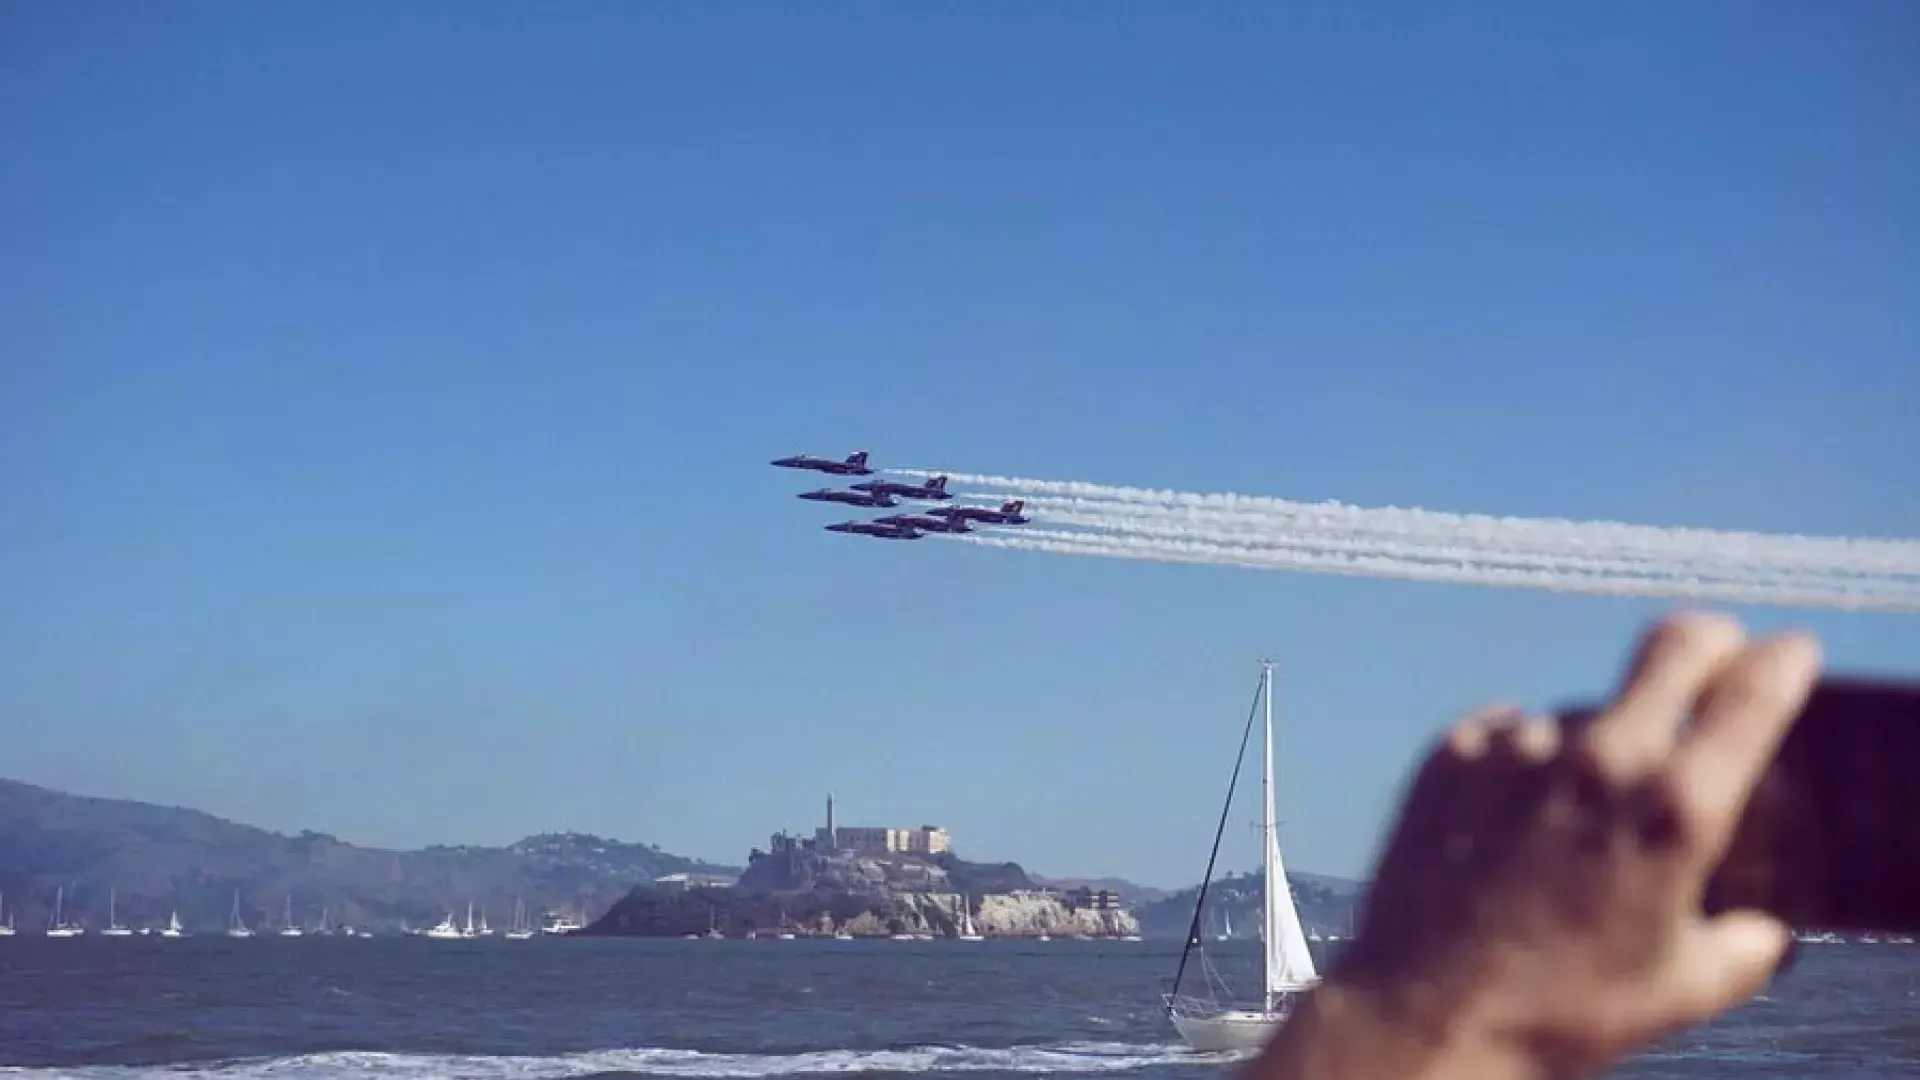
{"x":386,"y":390}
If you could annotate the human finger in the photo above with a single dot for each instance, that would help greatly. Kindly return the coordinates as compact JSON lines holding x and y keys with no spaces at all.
{"x":1675,"y":661}
{"x":1743,"y":714}
{"x":1718,"y":964}
{"x":1469,"y":738}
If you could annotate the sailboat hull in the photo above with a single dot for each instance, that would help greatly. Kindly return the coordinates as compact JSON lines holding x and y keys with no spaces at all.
{"x":1229,"y":1030}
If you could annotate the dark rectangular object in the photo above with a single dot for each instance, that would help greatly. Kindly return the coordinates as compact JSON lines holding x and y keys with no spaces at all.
{"x":1831,"y":836}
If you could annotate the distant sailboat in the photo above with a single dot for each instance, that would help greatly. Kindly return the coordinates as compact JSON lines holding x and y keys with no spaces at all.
{"x":6,"y":928}
{"x":114,"y":929}
{"x":172,"y":929}
{"x":236,"y":926}
{"x":1286,"y":966}
{"x":522,"y":929}
{"x":288,"y":928}
{"x":59,"y":927}
{"x":967,"y":932}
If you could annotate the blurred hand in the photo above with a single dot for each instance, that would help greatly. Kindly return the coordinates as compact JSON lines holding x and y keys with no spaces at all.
{"x":1537,"y":912}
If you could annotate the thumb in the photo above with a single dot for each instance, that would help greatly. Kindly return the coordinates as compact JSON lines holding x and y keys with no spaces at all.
{"x":1725,"y":960}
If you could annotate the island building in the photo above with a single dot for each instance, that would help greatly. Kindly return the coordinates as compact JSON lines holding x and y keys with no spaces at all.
{"x":868,"y":840}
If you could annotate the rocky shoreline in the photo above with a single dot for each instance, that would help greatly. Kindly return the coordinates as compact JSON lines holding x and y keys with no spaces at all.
{"x":813,"y":894}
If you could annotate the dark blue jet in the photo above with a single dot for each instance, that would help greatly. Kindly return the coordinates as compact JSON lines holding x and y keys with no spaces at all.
{"x":935,"y":488}
{"x":854,"y":465}
{"x":926,"y":523}
{"x":851,"y":498}
{"x":875,"y":529}
{"x":1008,"y":514}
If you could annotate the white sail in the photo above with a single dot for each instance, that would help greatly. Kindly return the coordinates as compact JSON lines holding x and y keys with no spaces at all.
{"x":1289,"y":966}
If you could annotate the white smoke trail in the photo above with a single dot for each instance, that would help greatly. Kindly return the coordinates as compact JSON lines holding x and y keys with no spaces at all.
{"x":1485,"y":532}
{"x":1196,"y":526}
{"x":1249,"y":524}
{"x":1461,"y":572}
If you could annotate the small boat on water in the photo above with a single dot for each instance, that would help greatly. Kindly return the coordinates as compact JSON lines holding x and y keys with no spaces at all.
{"x":967,"y":930}
{"x":236,"y":926}
{"x":1208,"y":1024}
{"x":289,"y":928}
{"x":562,"y":923}
{"x":521,"y":930}
{"x":173,"y":928}
{"x":59,"y":927}
{"x":114,"y":929}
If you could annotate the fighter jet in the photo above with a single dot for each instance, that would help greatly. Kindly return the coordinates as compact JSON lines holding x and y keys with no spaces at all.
{"x":851,"y":498}
{"x":926,"y":523}
{"x":934,"y":489}
{"x":1008,"y":514}
{"x":854,"y":465}
{"x":876,"y":530}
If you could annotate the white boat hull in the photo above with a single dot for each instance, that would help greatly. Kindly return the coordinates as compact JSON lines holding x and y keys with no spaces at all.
{"x":1228,"y":1031}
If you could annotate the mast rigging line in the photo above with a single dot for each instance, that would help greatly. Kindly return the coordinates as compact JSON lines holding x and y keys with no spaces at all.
{"x":1206,"y":881}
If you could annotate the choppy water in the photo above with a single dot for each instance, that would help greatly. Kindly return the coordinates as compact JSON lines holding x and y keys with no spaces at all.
{"x":551,"y":1009}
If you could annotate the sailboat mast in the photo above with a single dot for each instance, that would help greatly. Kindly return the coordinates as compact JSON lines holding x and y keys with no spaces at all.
{"x":1275,"y":890}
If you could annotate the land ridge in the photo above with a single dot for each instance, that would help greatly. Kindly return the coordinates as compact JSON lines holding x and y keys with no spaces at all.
{"x":155,"y":860}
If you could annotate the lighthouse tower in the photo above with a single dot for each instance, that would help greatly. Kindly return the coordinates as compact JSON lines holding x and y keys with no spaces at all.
{"x":831,"y":836}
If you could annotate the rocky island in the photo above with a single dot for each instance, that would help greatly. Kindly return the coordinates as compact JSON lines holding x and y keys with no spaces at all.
{"x":865,"y":882}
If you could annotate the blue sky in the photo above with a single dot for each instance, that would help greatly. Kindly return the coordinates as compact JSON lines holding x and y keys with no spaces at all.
{"x":386,"y":391}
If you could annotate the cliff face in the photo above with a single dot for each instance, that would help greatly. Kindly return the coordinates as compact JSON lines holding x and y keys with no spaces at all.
{"x":1028,"y":914}
{"x":652,"y":912}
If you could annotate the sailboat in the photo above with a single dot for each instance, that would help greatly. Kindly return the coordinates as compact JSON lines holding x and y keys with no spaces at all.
{"x":288,"y":928}
{"x":1286,"y":967}
{"x":60,"y":927}
{"x":6,"y":928}
{"x":522,"y":930}
{"x":236,"y":926}
{"x":173,"y":929}
{"x":114,"y":929}
{"x":1226,"y":926}
{"x":967,"y":932}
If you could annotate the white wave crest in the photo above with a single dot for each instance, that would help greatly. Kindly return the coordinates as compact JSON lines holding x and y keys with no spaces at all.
{"x":1078,"y":1057}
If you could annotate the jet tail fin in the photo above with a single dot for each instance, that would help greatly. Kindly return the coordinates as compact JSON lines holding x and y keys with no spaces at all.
{"x":938,"y":483}
{"x":857,"y":459}
{"x":1012,"y":506}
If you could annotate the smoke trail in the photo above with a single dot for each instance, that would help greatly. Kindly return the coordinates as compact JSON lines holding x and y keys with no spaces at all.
{"x":1359,"y":565}
{"x":1371,"y":553}
{"x":1146,"y":522}
{"x":1544,"y":535}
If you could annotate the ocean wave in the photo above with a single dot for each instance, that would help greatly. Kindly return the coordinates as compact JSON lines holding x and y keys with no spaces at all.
{"x":1076,"y":1057}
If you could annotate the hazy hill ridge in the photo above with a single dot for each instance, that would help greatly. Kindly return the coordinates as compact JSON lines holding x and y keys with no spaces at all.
{"x":162,"y":858}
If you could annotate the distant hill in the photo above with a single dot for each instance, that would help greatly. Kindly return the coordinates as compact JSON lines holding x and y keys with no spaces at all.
{"x":1131,"y":894}
{"x":1325,"y":903}
{"x":161,"y":858}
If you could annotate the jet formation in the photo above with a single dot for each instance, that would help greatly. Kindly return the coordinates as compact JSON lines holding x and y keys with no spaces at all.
{"x":886,"y":494}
